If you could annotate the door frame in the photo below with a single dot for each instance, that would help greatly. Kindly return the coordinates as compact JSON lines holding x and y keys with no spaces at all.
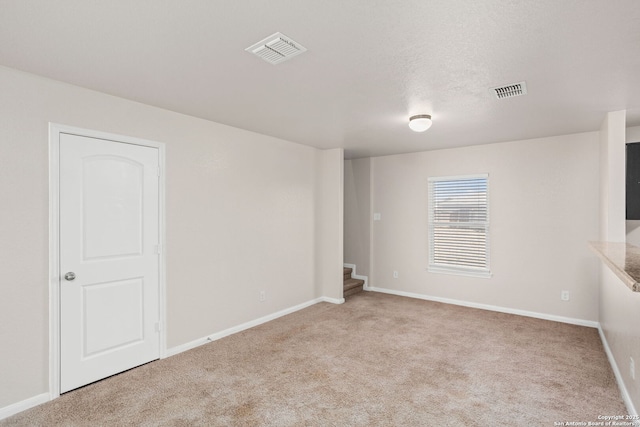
{"x":55,"y":130}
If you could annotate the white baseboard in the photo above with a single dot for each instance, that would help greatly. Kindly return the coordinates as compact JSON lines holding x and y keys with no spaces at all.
{"x":235,"y":329}
{"x":544,"y":316}
{"x":589,"y":323}
{"x":331,"y":300}
{"x":616,"y":371}
{"x":29,"y":403}
{"x":21,"y":406}
{"x":357,"y":276}
{"x":45,"y":397}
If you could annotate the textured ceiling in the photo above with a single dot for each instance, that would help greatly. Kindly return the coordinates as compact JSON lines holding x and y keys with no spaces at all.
{"x":370,"y":64}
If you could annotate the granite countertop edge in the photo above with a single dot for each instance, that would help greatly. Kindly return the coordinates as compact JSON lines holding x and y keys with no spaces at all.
{"x":623,"y":259}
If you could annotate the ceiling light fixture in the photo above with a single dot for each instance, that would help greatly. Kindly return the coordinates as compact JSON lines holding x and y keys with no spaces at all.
{"x":420,"y":122}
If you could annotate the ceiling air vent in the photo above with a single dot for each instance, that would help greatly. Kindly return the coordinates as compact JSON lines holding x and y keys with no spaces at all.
{"x":509,"y":91}
{"x":276,"y":48}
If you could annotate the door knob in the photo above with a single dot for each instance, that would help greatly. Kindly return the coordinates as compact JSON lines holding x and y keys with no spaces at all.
{"x":70,"y":276}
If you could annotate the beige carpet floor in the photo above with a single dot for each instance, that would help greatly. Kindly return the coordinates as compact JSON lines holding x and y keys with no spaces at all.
{"x":377,"y":360}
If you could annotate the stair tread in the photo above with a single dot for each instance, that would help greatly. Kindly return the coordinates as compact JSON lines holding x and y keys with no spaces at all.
{"x":347,"y":270}
{"x":352,"y":291}
{"x":352,"y":283}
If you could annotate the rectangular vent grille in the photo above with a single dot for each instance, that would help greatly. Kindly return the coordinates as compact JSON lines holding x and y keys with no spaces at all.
{"x":276,"y":48}
{"x":511,"y":90}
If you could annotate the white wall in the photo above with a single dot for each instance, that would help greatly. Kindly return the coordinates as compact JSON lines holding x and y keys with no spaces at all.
{"x":632,"y":227}
{"x":620,"y":323}
{"x":619,"y":310}
{"x":243,"y":211}
{"x":543,"y":208}
{"x":632,"y":134}
{"x":612,"y":177}
{"x":357,"y":214}
{"x":329,"y":227}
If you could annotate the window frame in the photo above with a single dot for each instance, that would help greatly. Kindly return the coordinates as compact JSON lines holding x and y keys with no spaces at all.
{"x":433,"y":267}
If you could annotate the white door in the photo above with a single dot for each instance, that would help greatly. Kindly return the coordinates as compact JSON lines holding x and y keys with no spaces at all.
{"x":109,"y":262}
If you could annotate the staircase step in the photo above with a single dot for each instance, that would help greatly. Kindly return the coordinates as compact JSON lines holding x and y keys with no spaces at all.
{"x":350,"y":292}
{"x":351,"y":284}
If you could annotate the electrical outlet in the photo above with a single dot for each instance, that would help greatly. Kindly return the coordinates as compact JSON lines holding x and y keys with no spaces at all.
{"x":632,"y":368}
{"x":564,"y":295}
{"x":377,"y":217}
{"x":263,"y":296}
{"x":395,"y":274}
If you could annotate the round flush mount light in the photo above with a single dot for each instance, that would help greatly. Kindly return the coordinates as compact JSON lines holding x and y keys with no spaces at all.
{"x":420,"y":122}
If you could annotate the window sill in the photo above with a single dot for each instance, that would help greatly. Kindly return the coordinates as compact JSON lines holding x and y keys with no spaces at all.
{"x":483,"y":274}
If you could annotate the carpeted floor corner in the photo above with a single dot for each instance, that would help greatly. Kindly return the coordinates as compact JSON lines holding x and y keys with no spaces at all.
{"x":377,"y":360}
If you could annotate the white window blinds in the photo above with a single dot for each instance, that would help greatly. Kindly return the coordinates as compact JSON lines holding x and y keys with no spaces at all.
{"x":459,"y":225}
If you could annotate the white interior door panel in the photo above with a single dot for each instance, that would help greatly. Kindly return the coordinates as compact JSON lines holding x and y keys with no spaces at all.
{"x":109,"y":234}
